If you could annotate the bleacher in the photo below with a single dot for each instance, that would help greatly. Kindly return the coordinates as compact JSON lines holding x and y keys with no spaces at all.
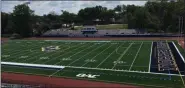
{"x":165,"y":57}
{"x":91,"y":31}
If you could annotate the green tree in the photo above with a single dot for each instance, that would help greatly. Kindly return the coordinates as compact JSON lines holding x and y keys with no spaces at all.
{"x":4,"y":21}
{"x":21,"y":19}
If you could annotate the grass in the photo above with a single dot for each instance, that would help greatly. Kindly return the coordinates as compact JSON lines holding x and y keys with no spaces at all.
{"x":113,"y":26}
{"x":80,"y":54}
{"x":139,"y":79}
{"x":115,"y":55}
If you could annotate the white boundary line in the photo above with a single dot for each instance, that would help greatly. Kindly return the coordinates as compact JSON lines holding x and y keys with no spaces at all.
{"x":122,"y":54}
{"x":123,"y":70}
{"x":32,"y":65}
{"x":179,"y":52}
{"x":136,"y":56}
{"x":61,"y":67}
{"x":150,"y":57}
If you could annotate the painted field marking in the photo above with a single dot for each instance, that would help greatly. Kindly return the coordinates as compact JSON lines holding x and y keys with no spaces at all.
{"x":55,"y":73}
{"x":18,"y":53}
{"x":89,"y":79}
{"x":85,"y":54}
{"x":59,"y":66}
{"x":122,"y":55}
{"x":63,"y":53}
{"x":37,"y":55}
{"x":76,"y":53}
{"x":136,"y":56}
{"x":97,"y":55}
{"x":179,"y":52}
{"x":150,"y":57}
{"x":59,"y":52}
{"x":123,"y":70}
{"x":32,"y":65}
{"x":109,"y":55}
{"x":18,"y":50}
{"x":176,"y":62}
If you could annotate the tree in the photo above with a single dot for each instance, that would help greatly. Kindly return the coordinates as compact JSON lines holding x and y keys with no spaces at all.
{"x":68,"y":18}
{"x":21,"y":19}
{"x":164,"y":15}
{"x":120,"y":11}
{"x":4,"y":21}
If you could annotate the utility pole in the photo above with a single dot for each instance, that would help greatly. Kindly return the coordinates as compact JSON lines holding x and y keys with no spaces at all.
{"x":180,"y":28}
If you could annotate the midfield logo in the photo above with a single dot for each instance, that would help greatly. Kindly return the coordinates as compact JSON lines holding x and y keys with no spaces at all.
{"x":86,"y":75}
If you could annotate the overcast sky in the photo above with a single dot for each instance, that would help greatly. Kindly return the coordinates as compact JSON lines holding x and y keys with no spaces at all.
{"x":44,"y":7}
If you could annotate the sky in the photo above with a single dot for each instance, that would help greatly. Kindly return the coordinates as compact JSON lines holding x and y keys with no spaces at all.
{"x":44,"y":7}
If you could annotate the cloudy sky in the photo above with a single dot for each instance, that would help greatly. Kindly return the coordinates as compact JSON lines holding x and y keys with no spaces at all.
{"x":44,"y":7}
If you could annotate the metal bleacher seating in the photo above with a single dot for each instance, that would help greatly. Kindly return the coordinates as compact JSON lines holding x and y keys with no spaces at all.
{"x":165,"y":57}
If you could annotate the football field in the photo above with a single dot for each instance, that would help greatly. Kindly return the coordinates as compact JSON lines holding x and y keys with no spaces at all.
{"x":110,"y":61}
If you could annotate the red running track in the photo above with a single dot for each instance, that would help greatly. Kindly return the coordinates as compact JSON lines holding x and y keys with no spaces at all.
{"x":57,"y":82}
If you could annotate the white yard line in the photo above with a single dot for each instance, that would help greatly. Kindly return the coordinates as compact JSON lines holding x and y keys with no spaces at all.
{"x":38,"y":55}
{"x":63,"y":54}
{"x":96,"y":55}
{"x":18,"y":53}
{"x":122,"y":55}
{"x":108,"y":56}
{"x":136,"y":56}
{"x":150,"y":57}
{"x":75,"y":53}
{"x":84,"y":55}
{"x":18,"y":49}
{"x":31,"y":54}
